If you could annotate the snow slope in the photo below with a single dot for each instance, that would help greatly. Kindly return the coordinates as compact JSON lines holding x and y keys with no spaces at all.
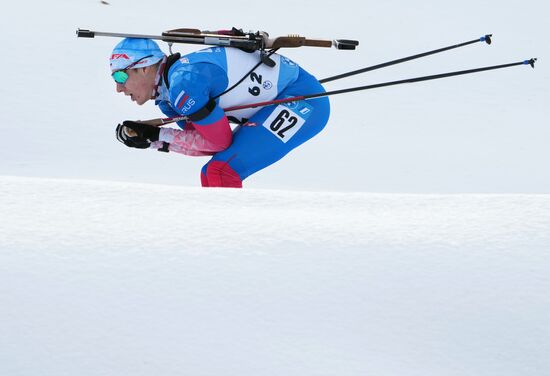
{"x":104,"y":278}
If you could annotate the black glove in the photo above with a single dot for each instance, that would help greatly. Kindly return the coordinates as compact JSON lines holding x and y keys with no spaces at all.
{"x":137,"y":135}
{"x":143,"y":131}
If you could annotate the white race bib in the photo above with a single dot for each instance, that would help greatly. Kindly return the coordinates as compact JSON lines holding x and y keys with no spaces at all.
{"x":284,"y":123}
{"x":258,"y":86}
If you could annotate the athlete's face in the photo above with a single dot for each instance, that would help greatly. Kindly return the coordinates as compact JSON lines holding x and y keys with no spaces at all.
{"x":140,"y":84}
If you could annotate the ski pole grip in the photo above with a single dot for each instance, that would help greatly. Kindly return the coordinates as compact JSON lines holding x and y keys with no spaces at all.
{"x":83,"y":33}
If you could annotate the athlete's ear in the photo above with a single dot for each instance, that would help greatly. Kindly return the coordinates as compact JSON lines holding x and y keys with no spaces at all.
{"x":146,"y":70}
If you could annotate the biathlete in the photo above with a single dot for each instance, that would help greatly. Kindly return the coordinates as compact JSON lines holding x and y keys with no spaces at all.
{"x":199,"y":86}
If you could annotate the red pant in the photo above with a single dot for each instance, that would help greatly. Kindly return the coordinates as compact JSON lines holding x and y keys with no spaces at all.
{"x":220,"y":174}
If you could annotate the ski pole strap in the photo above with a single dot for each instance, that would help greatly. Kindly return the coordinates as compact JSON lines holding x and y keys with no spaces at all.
{"x":486,"y":38}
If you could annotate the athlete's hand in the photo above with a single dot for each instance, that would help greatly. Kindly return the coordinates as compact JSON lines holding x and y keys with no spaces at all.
{"x":137,"y":135}
{"x":142,"y":131}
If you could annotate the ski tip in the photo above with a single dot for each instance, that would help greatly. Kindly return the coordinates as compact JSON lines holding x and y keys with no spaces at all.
{"x":487,"y":38}
{"x":531,"y":62}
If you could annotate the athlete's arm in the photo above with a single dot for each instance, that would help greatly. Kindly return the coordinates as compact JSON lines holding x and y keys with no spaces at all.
{"x":190,"y":94}
{"x":188,"y":141}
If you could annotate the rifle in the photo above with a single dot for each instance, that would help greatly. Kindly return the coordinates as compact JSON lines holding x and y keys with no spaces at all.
{"x":251,"y":41}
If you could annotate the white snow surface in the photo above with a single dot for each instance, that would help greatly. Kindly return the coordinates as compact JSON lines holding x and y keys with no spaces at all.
{"x":114,"y":262}
{"x":101,"y":278}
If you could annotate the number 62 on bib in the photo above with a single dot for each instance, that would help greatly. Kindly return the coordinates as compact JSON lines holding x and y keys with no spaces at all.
{"x":284,"y":122}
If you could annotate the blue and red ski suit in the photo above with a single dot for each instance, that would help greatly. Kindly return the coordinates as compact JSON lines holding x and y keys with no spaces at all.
{"x":195,"y":85}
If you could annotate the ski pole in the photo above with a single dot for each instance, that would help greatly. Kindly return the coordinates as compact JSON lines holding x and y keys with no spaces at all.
{"x":531,"y":62}
{"x":486,"y":38}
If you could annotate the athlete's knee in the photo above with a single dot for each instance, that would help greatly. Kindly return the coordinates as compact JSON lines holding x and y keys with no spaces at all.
{"x":220,"y":174}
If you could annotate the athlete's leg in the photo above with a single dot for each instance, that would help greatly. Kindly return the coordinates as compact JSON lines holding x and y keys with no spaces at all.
{"x":220,"y":174}
{"x":269,"y":135}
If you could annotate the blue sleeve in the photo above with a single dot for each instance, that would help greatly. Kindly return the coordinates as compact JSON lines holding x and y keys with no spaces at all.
{"x":192,"y":86}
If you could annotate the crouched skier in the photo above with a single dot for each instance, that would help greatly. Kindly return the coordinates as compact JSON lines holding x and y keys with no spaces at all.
{"x":199,"y":85}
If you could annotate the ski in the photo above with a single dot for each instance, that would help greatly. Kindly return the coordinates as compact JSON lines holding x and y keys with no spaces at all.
{"x":252,"y":41}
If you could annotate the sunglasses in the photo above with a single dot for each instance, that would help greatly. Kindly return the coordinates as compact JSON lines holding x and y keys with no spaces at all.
{"x":121,"y":76}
